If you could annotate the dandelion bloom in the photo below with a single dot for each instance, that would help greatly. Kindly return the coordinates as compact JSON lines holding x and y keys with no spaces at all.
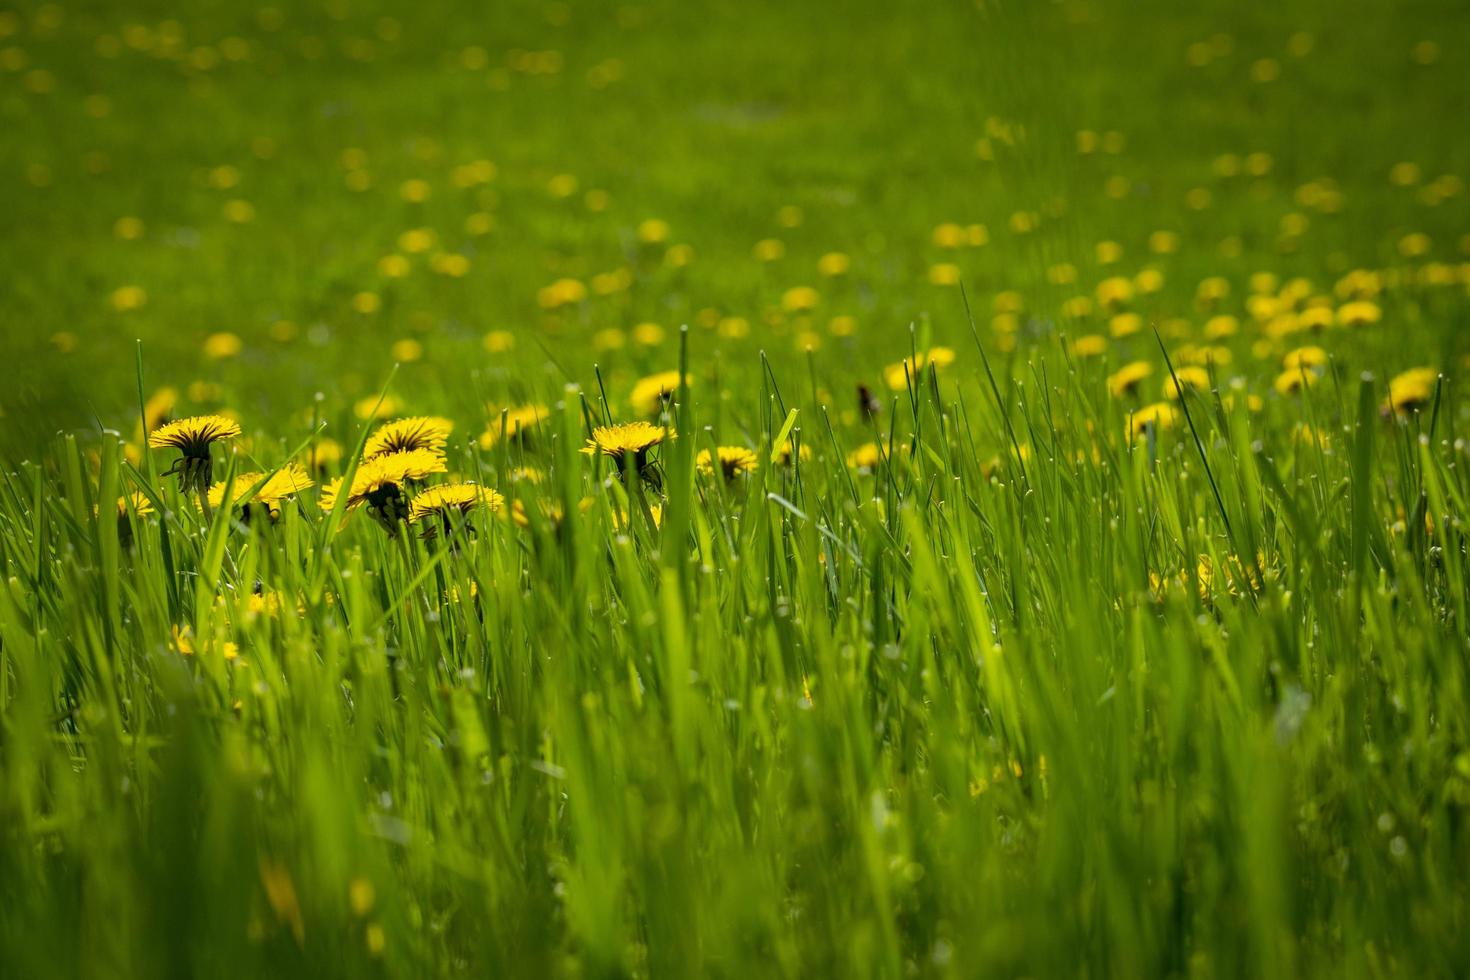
{"x":1160,"y":415}
{"x":1125,"y":380}
{"x":1410,"y":391}
{"x":1089,"y":345}
{"x":650,"y":393}
{"x":1186,"y":378}
{"x":867,"y":456}
{"x":406,"y":435}
{"x":513,"y":423}
{"x":379,"y":483}
{"x":897,"y":375}
{"x":192,"y":437}
{"x":286,"y":481}
{"x":783,"y":455}
{"x":1359,"y":313}
{"x":1294,"y":379}
{"x":733,"y":461}
{"x":618,"y":442}
{"x":137,"y":501}
{"x":437,"y":508}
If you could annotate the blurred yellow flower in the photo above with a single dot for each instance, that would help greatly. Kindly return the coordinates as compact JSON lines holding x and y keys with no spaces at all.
{"x":218,"y":346}
{"x":897,"y":376}
{"x":1126,"y":379}
{"x":798,"y":299}
{"x":126,"y":298}
{"x":733,"y":461}
{"x":650,"y":393}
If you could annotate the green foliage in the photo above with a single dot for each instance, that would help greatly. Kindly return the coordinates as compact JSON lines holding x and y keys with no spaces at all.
{"x":974,"y":674}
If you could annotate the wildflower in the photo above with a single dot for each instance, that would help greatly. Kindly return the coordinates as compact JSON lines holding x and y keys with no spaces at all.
{"x":128,"y":298}
{"x":1160,"y":415}
{"x":437,"y":508}
{"x":286,"y":481}
{"x":834,"y":264}
{"x":514,"y":423}
{"x":648,"y":334}
{"x":1089,"y":345}
{"x":733,"y":461}
{"x":1308,"y":357}
{"x":1294,"y":379}
{"x":218,"y":346}
{"x":1359,"y":313}
{"x":137,"y":502}
{"x":563,"y":292}
{"x":405,"y":435}
{"x":1410,"y":391}
{"x":769,"y":249}
{"x":627,"y":440}
{"x":944,"y":274}
{"x":1205,"y":355}
{"x":159,"y":406}
{"x":650,"y":393}
{"x":867,"y":456}
{"x":1220,"y":327}
{"x":1125,"y":324}
{"x":1125,"y":380}
{"x":380,"y":483}
{"x":1114,"y":293}
{"x":653,"y":231}
{"x":1185,"y":379}
{"x":192,"y":437}
{"x":897,"y":375}
{"x":783,"y":455}
{"x":183,"y":642}
{"x":799,"y":299}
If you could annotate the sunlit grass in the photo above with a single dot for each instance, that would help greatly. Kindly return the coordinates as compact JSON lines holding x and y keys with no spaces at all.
{"x":652,"y":491}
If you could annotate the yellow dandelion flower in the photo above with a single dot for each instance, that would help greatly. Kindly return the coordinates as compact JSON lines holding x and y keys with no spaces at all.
{"x":324,"y":454}
{"x":617,"y":441}
{"x":1190,"y":378}
{"x":897,"y":375}
{"x":1308,"y":357}
{"x":514,"y":423}
{"x":1160,"y":415}
{"x":1220,"y":327}
{"x":127,"y":298}
{"x":799,"y":299}
{"x":867,"y":456}
{"x":286,"y":481}
{"x":1410,"y":391}
{"x":650,"y":393}
{"x":404,"y":435}
{"x":159,"y":406}
{"x":834,"y":264}
{"x":438,"y":508}
{"x":1089,"y":345}
{"x":1114,"y":293}
{"x":218,"y":346}
{"x":783,"y":455}
{"x":192,"y":437}
{"x":380,"y":483}
{"x":733,"y":461}
{"x":944,"y":274}
{"x":1124,"y":324}
{"x":1125,"y":380}
{"x":183,"y":643}
{"x":1359,"y":313}
{"x":769,"y":249}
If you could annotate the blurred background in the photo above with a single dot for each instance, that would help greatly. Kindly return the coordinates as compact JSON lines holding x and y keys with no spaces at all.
{"x":285,"y":200}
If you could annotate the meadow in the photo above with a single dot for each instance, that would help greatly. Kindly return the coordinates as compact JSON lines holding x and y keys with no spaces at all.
{"x":734,"y":489}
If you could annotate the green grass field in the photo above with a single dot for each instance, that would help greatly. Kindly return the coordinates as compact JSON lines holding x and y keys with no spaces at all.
{"x":887,"y":489}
